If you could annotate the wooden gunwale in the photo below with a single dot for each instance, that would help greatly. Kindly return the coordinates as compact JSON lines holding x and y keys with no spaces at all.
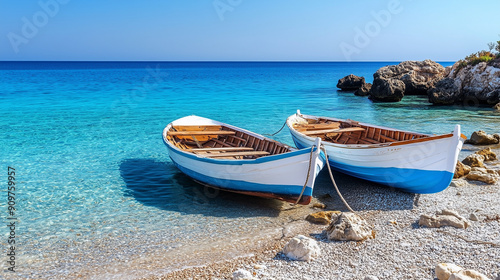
{"x":201,"y":132}
{"x":219,"y":149}
{"x":234,"y":154}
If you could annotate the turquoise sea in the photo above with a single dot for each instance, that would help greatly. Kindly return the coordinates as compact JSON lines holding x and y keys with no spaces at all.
{"x":94,"y":183}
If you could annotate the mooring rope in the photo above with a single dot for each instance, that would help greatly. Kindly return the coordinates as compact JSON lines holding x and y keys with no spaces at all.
{"x":333,"y":180}
{"x":266,"y":134}
{"x":307,"y":177}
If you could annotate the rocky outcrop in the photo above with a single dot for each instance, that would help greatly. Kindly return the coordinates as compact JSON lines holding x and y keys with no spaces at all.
{"x":481,"y":81}
{"x":461,"y":170}
{"x":302,"y":248}
{"x":474,"y":160}
{"x":349,"y":226}
{"x":445,"y":92}
{"x":364,"y":90}
{"x":351,"y":82}
{"x":472,"y":84}
{"x":497,"y":107}
{"x":482,"y":138}
{"x":418,"y":76}
{"x":484,"y":175}
{"x":443,"y":218}
{"x":387,"y":90}
{"x":323,"y":217}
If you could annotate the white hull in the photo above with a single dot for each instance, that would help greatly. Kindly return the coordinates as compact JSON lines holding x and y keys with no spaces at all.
{"x":420,"y":166}
{"x":279,"y":176}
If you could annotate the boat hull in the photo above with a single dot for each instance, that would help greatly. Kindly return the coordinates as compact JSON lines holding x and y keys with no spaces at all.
{"x":420,"y":166}
{"x":279,"y":176}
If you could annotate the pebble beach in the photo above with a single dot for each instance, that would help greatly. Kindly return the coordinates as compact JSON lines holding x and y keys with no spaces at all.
{"x":401,"y":248}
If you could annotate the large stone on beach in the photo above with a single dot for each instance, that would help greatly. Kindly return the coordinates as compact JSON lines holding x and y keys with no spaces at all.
{"x":460,"y":183}
{"x":323,"y":217}
{"x":488,"y":154}
{"x":351,"y":82}
{"x":364,"y":90}
{"x":482,"y":138}
{"x":497,"y":107}
{"x":468,"y":274}
{"x":461,"y":170}
{"x":242,"y":274}
{"x":445,"y":92}
{"x":349,"y":226}
{"x":387,"y":90}
{"x":302,"y":248}
{"x":445,"y":270}
{"x":474,"y":160}
{"x":443,"y":218}
{"x":484,"y":175}
{"x":417,"y":76}
{"x":449,"y":271}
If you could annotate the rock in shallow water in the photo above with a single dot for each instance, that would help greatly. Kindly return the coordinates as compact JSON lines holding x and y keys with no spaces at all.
{"x":351,"y":82}
{"x":444,"y":93}
{"x":443,"y":218}
{"x":302,"y":248}
{"x":349,"y":226}
{"x":364,"y":90}
{"x":389,"y":90}
{"x":417,"y":76}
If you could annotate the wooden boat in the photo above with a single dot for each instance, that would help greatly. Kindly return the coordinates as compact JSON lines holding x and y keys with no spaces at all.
{"x":413,"y":162}
{"x":233,"y":159}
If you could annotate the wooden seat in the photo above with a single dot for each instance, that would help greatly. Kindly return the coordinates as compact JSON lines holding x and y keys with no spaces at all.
{"x":221,"y":149}
{"x":319,"y":126}
{"x":234,"y":154}
{"x":201,"y":132}
{"x":339,"y":130}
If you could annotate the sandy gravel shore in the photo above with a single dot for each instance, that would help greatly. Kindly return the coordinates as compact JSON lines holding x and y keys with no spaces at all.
{"x":401,"y":250}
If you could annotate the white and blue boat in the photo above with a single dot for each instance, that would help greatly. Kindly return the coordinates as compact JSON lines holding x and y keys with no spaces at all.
{"x":233,"y":159}
{"x":413,"y":162}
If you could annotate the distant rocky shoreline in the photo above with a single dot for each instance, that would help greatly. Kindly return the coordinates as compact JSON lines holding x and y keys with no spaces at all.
{"x":468,"y":85}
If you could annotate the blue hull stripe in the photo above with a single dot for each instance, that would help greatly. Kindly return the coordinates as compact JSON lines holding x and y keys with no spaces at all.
{"x":235,"y":185}
{"x":410,"y":180}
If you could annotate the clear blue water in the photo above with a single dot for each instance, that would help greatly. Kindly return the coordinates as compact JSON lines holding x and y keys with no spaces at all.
{"x":85,"y":140}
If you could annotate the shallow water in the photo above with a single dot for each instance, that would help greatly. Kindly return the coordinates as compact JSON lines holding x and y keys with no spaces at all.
{"x":94,"y":182}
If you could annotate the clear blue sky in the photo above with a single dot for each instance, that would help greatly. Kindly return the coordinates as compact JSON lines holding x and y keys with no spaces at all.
{"x":272,"y":30}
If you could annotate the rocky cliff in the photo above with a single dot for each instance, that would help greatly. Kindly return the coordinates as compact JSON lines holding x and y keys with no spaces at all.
{"x":472,"y":84}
